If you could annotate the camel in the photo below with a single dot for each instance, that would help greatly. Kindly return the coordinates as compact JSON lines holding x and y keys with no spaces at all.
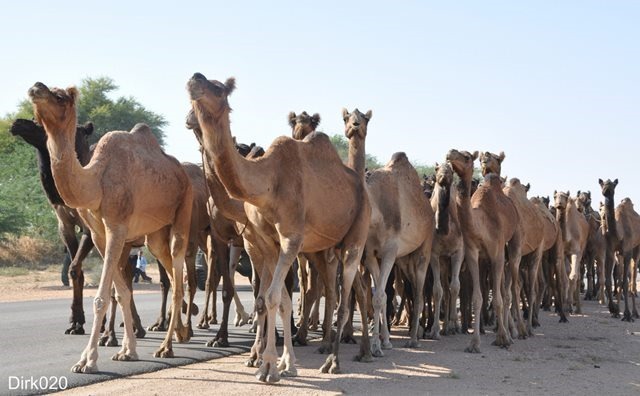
{"x":531,"y":237}
{"x":622,"y":232}
{"x":301,"y":198}
{"x":448,"y":247}
{"x":401,"y":228}
{"x":595,"y":251}
{"x":303,"y":124}
{"x":489,"y":222}
{"x":129,"y":189}
{"x":575,"y":231}
{"x":68,"y":218}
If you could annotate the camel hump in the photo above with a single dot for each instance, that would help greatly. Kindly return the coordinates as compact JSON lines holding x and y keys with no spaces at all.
{"x":141,"y":128}
{"x":399,"y":157}
{"x":143,"y":132}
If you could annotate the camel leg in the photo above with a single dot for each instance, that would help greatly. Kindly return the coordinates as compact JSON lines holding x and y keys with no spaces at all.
{"x":286,"y":366}
{"x":222,"y":336}
{"x":303,"y":265}
{"x":574,"y":281}
{"x":190,"y":264}
{"x":161,"y":323}
{"x":289,"y":248}
{"x":242,"y":317}
{"x":261,"y":279}
{"x":437,"y":296}
{"x":111,"y":251}
{"x":418,"y":260}
{"x":471,"y":258}
{"x":351,"y":261}
{"x":108,"y":337}
{"x":452,"y":325}
{"x":327,"y":277}
{"x":534,"y":269}
{"x":497,"y":265}
{"x":309,"y":294}
{"x":625,"y":287}
{"x":77,"y":319}
{"x":123,"y":295}
{"x":209,"y":288}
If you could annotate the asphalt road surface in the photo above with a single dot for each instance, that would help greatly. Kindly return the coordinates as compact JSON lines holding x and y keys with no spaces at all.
{"x":37,"y":356}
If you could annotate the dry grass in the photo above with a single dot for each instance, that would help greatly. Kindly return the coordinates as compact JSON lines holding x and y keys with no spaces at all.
{"x":29,"y":252}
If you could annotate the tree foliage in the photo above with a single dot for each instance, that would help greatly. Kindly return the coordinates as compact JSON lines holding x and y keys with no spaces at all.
{"x":24,"y":209}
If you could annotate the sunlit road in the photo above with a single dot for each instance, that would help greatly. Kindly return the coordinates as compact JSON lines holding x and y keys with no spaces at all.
{"x":34,"y":345}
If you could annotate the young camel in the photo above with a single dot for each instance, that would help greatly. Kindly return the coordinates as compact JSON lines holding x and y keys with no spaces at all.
{"x":595,"y":252}
{"x":622,"y":231}
{"x":285,"y":194}
{"x":489,"y":223}
{"x":575,"y":231}
{"x":129,"y":189}
{"x":401,"y":227}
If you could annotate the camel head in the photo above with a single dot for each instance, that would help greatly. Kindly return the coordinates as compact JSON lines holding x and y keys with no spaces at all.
{"x":356,"y":123}
{"x":583,"y":201}
{"x":546,"y":201}
{"x":303,"y":124}
{"x":491,"y":163}
{"x":462,"y":162}
{"x":561,"y":199}
{"x":55,"y":108}
{"x":608,"y":187}
{"x":209,"y":97}
{"x":444,"y":174}
{"x":516,"y":186}
{"x":428,"y":183}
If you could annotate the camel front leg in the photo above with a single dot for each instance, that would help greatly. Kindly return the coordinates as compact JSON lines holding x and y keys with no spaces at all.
{"x":108,"y":337}
{"x":286,"y":366}
{"x":290,"y":246}
{"x":471,"y":258}
{"x":497,"y":265}
{"x":421,"y":265}
{"x":124,"y":297}
{"x":111,"y":249}
{"x":574,"y":282}
{"x":161,"y":323}
{"x":77,"y":319}
{"x":242,"y":316}
{"x":452,"y":326}
{"x":437,"y":296}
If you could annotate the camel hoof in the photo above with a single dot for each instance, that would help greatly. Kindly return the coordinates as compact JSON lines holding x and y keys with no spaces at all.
{"x":141,"y":332}
{"x":412,"y":344}
{"x":75,"y":330}
{"x":213,"y":321}
{"x":376,"y":351}
{"x":363,"y":358}
{"x":627,"y":317}
{"x":348,"y":339}
{"x":124,"y":357}
{"x":158,"y":326}
{"x":219,"y":343}
{"x":299,"y":340}
{"x":331,"y":365}
{"x":472,"y":349}
{"x":84,"y":368}
{"x":434,"y":335}
{"x":267,"y":373}
{"x":164,"y":353}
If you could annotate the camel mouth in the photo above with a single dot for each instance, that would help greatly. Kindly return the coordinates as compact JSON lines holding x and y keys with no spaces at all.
{"x":191,"y":122}
{"x":39,"y":91}
{"x":196,"y":86}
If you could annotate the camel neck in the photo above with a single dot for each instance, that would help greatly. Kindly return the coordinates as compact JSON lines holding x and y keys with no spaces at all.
{"x":243,"y":179}
{"x":356,"y":160}
{"x":77,"y":185}
{"x":465,"y":215}
{"x":230,"y":208}
{"x":442,"y":197}
{"x":610,"y":217}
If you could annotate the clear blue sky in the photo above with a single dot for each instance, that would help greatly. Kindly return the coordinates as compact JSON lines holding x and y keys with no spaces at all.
{"x":554,"y":84}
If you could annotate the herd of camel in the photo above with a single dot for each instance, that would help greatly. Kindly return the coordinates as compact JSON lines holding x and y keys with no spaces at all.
{"x":376,"y":233}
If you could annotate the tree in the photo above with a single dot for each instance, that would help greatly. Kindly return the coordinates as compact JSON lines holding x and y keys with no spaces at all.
{"x":342,"y":146}
{"x":23,"y":206}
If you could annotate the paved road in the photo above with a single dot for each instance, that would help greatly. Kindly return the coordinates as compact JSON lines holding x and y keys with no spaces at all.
{"x":34,"y":344}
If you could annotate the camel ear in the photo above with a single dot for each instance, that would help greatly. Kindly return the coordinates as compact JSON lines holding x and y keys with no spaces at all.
{"x":615,"y":182}
{"x":230,"y":84}
{"x":475,"y":155}
{"x":527,"y":187}
{"x":578,"y":193}
{"x":568,"y":193}
{"x":368,"y":115}
{"x":87,"y":128}
{"x":292,"y":119}
{"x":315,"y":120}
{"x":588,"y":194}
{"x":73,"y":93}
{"x":345,"y":114}
{"x":555,"y":192}
{"x":501,"y":156}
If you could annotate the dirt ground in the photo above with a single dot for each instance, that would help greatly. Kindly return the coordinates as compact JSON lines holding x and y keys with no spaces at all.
{"x":592,"y":353}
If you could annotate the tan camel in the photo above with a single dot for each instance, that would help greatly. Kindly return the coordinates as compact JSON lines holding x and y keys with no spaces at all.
{"x":575,"y":231}
{"x":538,"y":238}
{"x":489,"y":223}
{"x":622,"y":232}
{"x":554,"y":254}
{"x":448,"y":247}
{"x":531,"y":238}
{"x":401,"y":228}
{"x":595,"y":251}
{"x":129,"y":189}
{"x":285,"y":196}
{"x":325,"y":263}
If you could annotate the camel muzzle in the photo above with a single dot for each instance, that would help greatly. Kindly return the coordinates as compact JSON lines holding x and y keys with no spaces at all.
{"x":39,"y":90}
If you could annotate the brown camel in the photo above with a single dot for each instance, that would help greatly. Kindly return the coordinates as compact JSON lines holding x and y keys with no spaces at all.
{"x":129,"y":189}
{"x":489,"y":223}
{"x":303,"y":124}
{"x":622,"y":232}
{"x":285,"y":194}
{"x":448,"y":248}
{"x":401,"y":227}
{"x":595,"y":251}
{"x":575,"y":231}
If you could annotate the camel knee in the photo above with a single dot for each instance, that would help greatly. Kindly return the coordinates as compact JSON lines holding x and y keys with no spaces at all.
{"x":99,"y":304}
{"x":260,"y":306}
